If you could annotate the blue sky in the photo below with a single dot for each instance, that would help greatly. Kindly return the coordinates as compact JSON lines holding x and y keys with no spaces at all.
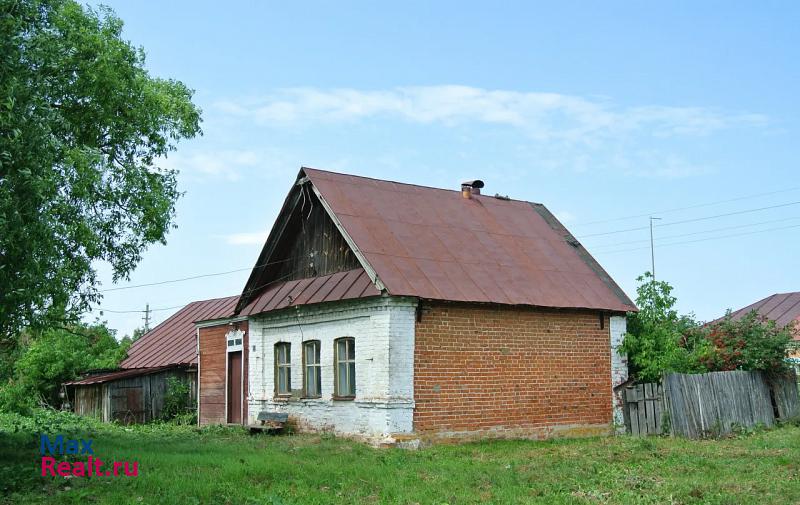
{"x":598,"y":111}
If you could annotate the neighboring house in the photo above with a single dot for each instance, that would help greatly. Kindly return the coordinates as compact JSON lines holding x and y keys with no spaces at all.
{"x":135,"y":393}
{"x":783,"y":308}
{"x":395,"y":311}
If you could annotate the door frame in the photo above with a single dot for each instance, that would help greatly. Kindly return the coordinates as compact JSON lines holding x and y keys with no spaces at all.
{"x":234,"y":335}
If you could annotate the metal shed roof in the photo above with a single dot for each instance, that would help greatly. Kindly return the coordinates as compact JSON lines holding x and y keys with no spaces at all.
{"x":173,"y":341}
{"x":120,"y":374}
{"x":433,"y":243}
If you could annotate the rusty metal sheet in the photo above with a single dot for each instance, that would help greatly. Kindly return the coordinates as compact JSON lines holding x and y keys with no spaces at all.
{"x":121,"y":374}
{"x":339,"y":286}
{"x":506,"y":251}
{"x":173,"y":341}
{"x":783,"y":308}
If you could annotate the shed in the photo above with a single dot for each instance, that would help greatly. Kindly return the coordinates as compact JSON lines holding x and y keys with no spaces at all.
{"x":135,"y":392}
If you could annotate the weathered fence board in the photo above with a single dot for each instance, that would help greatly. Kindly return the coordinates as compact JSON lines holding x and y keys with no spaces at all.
{"x":644,"y":406}
{"x":787,"y":400}
{"x":711,"y":404}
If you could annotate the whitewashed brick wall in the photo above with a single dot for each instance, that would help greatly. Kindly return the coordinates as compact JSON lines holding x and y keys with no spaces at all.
{"x":383,"y":329}
{"x":619,"y":365}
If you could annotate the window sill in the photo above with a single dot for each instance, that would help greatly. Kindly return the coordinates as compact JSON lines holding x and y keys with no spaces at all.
{"x":311,"y":398}
{"x":282,"y":398}
{"x":343,"y":398}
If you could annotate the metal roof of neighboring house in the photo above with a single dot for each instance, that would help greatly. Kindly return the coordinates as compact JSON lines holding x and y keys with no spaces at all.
{"x":121,"y":374}
{"x":339,"y":286}
{"x":173,"y":341}
{"x":433,"y":243}
{"x":783,"y":308}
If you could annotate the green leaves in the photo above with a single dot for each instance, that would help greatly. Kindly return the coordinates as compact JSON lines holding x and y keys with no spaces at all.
{"x":83,"y":127}
{"x":659,"y":340}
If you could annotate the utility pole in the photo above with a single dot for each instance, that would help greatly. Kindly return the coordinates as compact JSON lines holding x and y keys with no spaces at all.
{"x":652,"y":248}
{"x":146,"y":318}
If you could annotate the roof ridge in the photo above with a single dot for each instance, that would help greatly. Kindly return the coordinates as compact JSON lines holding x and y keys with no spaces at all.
{"x":508,"y":199}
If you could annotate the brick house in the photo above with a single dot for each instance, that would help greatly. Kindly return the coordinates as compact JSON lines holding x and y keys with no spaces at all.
{"x":396,"y":311}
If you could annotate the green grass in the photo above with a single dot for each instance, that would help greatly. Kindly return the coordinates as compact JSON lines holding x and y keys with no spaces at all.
{"x":182,"y":465}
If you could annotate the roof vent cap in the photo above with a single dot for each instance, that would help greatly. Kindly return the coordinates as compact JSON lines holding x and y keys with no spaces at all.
{"x":469,"y":188}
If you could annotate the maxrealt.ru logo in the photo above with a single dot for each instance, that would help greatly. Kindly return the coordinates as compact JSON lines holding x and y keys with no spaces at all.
{"x":93,"y":466}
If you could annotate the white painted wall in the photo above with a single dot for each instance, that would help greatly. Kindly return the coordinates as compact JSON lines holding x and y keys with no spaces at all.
{"x":619,"y":366}
{"x":383,"y":329}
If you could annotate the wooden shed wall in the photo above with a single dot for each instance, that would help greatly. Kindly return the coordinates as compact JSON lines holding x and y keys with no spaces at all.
{"x":212,"y":380}
{"x":89,"y":401}
{"x":131,"y":400}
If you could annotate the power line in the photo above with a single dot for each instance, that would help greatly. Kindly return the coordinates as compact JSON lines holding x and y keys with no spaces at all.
{"x":724,"y":228}
{"x":100,"y":309}
{"x":705,"y":239}
{"x":200,"y":276}
{"x":694,"y":220}
{"x":678,"y":209}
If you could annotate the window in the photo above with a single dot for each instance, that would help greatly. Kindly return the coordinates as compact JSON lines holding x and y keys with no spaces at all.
{"x":312,"y":381}
{"x":283,"y":368}
{"x":345,"y":359}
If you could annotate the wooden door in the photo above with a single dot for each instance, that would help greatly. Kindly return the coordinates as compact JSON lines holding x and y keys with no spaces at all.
{"x":235,"y":387}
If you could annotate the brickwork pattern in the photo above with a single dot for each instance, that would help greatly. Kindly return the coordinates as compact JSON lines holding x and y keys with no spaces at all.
{"x":507,"y":369}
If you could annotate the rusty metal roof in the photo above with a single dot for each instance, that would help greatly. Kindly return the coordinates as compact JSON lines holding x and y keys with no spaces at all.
{"x":339,"y":286}
{"x":783,"y":308}
{"x":120,"y":374}
{"x":173,"y":341}
{"x":433,"y":243}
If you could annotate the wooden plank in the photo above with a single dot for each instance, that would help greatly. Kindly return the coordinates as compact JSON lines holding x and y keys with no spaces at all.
{"x":634,"y":414}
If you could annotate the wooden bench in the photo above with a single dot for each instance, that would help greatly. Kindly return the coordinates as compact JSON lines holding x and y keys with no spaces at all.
{"x":269,"y":421}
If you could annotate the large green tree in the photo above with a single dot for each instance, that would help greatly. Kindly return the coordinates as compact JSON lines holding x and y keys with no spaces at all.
{"x":83,"y":127}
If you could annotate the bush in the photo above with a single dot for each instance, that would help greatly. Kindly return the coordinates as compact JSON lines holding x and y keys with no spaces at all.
{"x":178,"y":405}
{"x":660,"y":340}
{"x":53,"y":357}
{"x":49,"y":421}
{"x":751,"y":343}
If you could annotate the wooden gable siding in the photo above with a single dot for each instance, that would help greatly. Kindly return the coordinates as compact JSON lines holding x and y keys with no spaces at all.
{"x":212,"y":380}
{"x":314,"y":246}
{"x":309,"y":245}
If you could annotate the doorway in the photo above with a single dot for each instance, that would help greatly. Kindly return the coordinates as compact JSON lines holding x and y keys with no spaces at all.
{"x":234,"y":393}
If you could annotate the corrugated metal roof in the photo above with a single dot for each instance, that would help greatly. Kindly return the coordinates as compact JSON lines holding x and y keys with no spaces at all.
{"x":432,"y":243}
{"x":121,"y":374}
{"x":173,"y":341}
{"x":783,"y":308}
{"x":339,"y":286}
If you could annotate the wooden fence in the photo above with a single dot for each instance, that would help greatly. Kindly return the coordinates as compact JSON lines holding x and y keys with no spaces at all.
{"x":711,"y":404}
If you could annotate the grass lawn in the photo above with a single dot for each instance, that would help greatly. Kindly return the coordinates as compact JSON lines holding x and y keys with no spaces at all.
{"x":183,"y":466}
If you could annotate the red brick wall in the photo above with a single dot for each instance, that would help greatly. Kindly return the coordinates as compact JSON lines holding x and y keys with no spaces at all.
{"x":213,"y":353}
{"x":515,"y":371}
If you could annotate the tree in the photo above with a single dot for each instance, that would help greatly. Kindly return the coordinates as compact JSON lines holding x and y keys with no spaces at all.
{"x":83,"y":127}
{"x":658,"y":339}
{"x":56,"y":356}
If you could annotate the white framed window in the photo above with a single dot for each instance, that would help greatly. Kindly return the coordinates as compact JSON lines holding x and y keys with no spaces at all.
{"x":345,"y":366}
{"x":312,"y":379}
{"x":283,"y":369}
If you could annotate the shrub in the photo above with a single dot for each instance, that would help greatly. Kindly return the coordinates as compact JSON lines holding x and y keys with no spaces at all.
{"x":53,"y":357}
{"x":751,"y":343}
{"x":178,"y":404}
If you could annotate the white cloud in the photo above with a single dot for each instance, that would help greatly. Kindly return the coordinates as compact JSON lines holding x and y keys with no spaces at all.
{"x":543,"y":116}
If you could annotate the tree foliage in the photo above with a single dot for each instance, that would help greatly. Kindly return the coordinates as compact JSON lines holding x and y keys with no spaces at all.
{"x":83,"y":127}
{"x":55,"y":356}
{"x":750,"y":343}
{"x":660,"y":340}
